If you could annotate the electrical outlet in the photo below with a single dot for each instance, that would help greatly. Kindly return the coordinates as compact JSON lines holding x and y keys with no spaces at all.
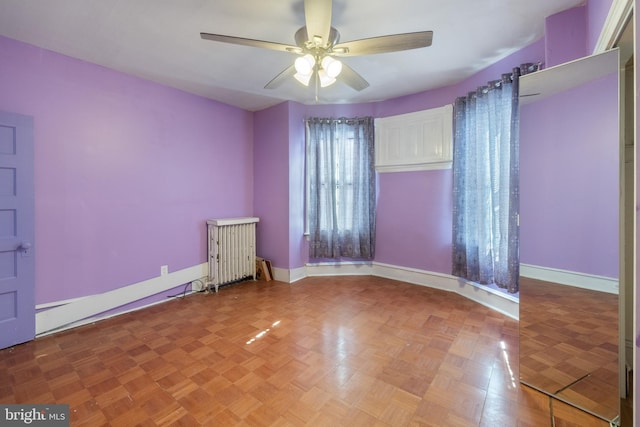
{"x":164,"y":270}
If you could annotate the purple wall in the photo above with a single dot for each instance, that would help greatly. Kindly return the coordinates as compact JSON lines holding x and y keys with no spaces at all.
{"x":414,"y":220}
{"x":298,"y":248}
{"x":414,"y":209}
{"x":566,"y":36}
{"x":574,"y":33}
{"x":271,"y":183}
{"x":597,"y":12}
{"x":126,"y":171}
{"x":569,"y":174}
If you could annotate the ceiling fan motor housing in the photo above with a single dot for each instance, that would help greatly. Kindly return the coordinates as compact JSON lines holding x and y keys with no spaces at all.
{"x":302,"y":40}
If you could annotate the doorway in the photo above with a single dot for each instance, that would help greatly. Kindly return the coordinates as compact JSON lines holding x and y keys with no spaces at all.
{"x":17,"y":266}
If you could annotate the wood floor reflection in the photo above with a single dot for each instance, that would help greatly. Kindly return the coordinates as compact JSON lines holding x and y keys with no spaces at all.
{"x":356,"y":351}
{"x":569,"y":344}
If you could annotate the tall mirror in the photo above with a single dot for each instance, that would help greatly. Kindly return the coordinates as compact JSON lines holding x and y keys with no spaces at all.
{"x":569,"y":233}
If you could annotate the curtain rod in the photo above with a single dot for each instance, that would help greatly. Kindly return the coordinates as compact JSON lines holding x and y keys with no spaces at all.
{"x":338,"y":119}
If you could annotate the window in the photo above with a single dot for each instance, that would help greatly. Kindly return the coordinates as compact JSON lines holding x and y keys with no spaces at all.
{"x":485,"y":183}
{"x":340,"y":188}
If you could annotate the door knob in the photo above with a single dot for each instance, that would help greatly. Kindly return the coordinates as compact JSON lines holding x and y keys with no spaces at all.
{"x":25,"y":249}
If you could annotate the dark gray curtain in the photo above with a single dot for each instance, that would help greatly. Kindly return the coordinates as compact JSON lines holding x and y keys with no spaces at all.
{"x":341,"y":188}
{"x":486,"y":183}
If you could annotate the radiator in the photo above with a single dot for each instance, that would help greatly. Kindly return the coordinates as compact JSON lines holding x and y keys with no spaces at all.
{"x":232,"y":250}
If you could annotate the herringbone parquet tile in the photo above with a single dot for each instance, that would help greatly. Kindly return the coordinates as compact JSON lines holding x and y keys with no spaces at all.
{"x":356,"y":351}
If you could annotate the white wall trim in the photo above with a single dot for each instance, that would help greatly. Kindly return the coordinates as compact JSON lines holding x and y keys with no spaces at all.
{"x":281,"y":274}
{"x":338,"y":269}
{"x":288,"y":276}
{"x":619,"y":13}
{"x":61,"y":315}
{"x":415,"y":167}
{"x":69,"y":312}
{"x":98,"y":317}
{"x":49,"y":305}
{"x":570,"y":278}
{"x":297,"y":274}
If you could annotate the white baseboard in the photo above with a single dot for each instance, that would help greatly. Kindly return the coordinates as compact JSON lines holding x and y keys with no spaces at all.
{"x":71,"y":312}
{"x":60,"y":315}
{"x":297,"y":274}
{"x":570,"y":278}
{"x":339,"y":269}
{"x":288,"y":276}
{"x":100,"y":317}
{"x":491,"y":298}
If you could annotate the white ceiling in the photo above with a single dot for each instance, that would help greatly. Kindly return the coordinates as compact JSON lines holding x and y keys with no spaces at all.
{"x":160,"y":40}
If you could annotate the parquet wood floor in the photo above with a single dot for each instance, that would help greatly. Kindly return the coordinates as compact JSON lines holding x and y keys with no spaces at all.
{"x":356,"y":351}
{"x":569,"y":344}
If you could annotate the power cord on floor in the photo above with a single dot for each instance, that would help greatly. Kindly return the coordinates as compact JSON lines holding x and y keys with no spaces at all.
{"x":184,"y":293}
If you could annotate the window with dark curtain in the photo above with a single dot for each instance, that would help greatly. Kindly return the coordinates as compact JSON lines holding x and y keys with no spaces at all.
{"x":340,"y":188}
{"x":486,"y":183}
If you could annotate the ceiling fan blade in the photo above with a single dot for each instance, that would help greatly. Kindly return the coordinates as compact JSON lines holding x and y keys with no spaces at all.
{"x":351,"y":78}
{"x":251,"y":42}
{"x":317,"y":15}
{"x":384,"y":44}
{"x":281,"y":78}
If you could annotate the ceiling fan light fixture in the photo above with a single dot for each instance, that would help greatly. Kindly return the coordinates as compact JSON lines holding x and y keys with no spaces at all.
{"x":333,"y":67}
{"x":317,"y":43}
{"x":304,"y":65}
{"x":325,"y":79}
{"x":303,"y":78}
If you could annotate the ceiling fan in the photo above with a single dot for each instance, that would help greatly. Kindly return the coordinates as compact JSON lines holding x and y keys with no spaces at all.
{"x":317,"y":44}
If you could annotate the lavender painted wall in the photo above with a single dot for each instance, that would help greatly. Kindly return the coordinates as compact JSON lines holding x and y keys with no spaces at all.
{"x":414,"y":220}
{"x":271,"y":183}
{"x":405,"y":199}
{"x":569,"y":174}
{"x":298,"y":248}
{"x":566,"y":36}
{"x":414,"y":214}
{"x":446,"y":95}
{"x":597,"y":12}
{"x":414,"y":209}
{"x":126,"y":171}
{"x":132,"y":126}
{"x":340,"y":110}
